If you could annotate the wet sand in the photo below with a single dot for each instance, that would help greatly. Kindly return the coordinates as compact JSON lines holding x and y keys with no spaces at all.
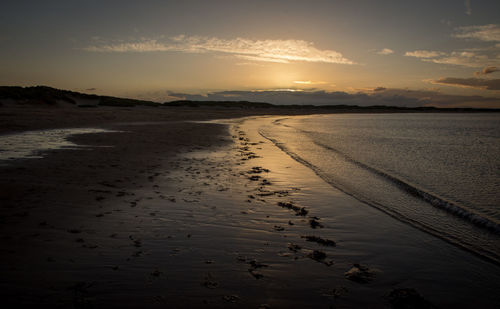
{"x":208,"y":215}
{"x":395,"y":255}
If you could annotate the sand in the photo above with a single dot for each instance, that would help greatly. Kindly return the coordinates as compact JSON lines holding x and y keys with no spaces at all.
{"x":187,"y":214}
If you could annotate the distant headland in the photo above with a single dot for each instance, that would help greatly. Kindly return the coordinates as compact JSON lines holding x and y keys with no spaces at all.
{"x":48,"y":96}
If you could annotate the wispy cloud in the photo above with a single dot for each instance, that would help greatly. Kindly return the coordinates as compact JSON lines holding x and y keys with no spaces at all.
{"x":385,"y":51}
{"x":142,"y":46}
{"x":309,"y":82}
{"x":462,"y":58}
{"x":489,"y":33}
{"x":487,"y":70}
{"x":281,"y":51}
{"x":262,"y":58}
{"x":465,"y":58}
{"x":423,"y":53}
{"x":479,"y":56}
{"x":479,"y":83}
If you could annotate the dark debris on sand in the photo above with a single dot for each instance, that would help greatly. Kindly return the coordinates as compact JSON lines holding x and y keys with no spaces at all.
{"x":319,"y":256}
{"x":314,"y":223}
{"x":156,"y":273}
{"x":321,"y":241}
{"x":255,"y":274}
{"x":299,"y":211}
{"x":231,"y":298}
{"x":337,"y":292}
{"x":360,"y":274}
{"x":265,"y":182}
{"x":294,"y":247}
{"x":210,"y":282}
{"x":81,"y":293}
{"x":408,"y":299}
{"x":258,"y":170}
{"x":254,"y":266}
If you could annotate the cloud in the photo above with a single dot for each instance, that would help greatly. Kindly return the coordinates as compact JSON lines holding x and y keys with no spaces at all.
{"x":393,"y":97}
{"x":423,"y":54}
{"x":144,"y":46}
{"x":91,"y":89}
{"x":488,"y":33}
{"x":465,"y":58}
{"x":308,"y":82}
{"x":281,"y":51}
{"x":468,"y":9}
{"x":482,"y":56}
{"x":250,"y":63}
{"x":385,"y":51}
{"x":462,"y":58}
{"x":487,"y":70}
{"x":261,"y":58}
{"x":479,"y":83}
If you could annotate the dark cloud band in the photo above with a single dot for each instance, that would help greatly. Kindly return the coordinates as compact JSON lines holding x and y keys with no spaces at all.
{"x":380,"y":96}
{"x":480,"y":83}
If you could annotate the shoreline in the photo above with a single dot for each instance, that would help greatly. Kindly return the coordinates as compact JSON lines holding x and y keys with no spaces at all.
{"x":176,"y":226}
{"x":479,"y":241}
{"x":422,"y":243}
{"x":19,"y":118}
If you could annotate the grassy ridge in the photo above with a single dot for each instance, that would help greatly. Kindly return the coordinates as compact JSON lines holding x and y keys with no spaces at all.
{"x":51,"y":96}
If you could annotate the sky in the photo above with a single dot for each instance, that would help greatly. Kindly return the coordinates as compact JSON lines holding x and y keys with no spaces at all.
{"x":406,"y":53}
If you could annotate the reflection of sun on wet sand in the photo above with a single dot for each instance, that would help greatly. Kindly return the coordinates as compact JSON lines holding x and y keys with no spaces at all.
{"x":187,"y":214}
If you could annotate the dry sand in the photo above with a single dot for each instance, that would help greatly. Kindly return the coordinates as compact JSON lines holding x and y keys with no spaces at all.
{"x":203,"y":215}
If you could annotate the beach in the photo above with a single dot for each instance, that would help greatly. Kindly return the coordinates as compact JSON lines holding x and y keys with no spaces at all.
{"x":262,"y":155}
{"x":188,"y":208}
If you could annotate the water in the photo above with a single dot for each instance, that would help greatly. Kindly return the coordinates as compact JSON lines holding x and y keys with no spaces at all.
{"x":31,"y":144}
{"x":437,"y":172}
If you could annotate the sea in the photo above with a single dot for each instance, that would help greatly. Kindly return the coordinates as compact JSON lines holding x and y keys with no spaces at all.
{"x":439,"y":172}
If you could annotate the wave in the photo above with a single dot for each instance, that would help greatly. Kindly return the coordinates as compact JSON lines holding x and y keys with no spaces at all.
{"x":460,"y":211}
{"x":433,"y":199}
{"x":463,"y":214}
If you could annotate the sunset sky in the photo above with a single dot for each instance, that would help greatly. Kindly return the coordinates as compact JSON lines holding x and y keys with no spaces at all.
{"x":413,"y":53}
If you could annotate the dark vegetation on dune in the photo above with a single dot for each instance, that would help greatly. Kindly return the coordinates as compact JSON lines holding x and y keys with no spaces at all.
{"x":43,"y":95}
